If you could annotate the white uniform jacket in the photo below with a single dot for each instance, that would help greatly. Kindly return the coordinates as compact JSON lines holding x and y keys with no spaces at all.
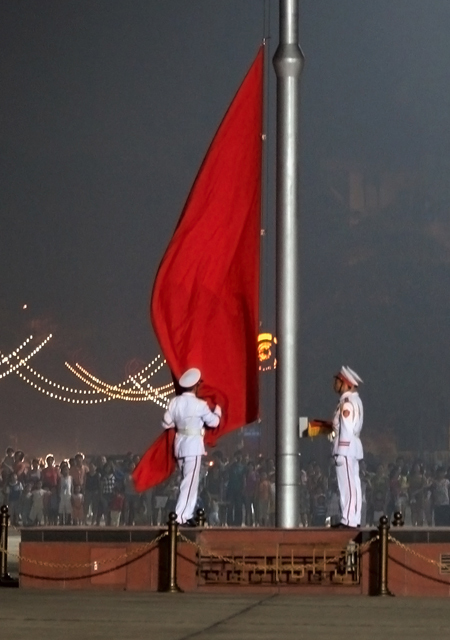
{"x":347,"y":425}
{"x":188,"y":415}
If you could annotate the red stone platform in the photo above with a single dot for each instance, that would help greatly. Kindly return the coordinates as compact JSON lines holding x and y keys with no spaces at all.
{"x":225,"y":560}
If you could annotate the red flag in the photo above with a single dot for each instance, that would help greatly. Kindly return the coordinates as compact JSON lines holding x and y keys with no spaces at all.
{"x":205,"y":300}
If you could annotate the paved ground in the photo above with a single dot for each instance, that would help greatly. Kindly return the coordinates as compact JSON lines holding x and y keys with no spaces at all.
{"x":125,"y":616}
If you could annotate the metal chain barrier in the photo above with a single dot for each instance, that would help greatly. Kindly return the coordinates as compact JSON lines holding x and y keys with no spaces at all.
{"x":84,"y":565}
{"x":440,"y":565}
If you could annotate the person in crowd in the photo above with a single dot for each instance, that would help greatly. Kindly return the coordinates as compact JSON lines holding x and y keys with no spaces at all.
{"x":333,"y":503}
{"x":14,"y":490}
{"x":37,"y":504}
{"x":116,"y":506}
{"x":91,"y":493}
{"x":320,"y":511}
{"x":250,"y":488}
{"x":304,"y":500}
{"x":107,"y":484}
{"x":440,"y":498}
{"x":78,"y":470}
{"x":26,"y":504}
{"x":403,"y":495}
{"x":50,"y":474}
{"x":263,"y":498}
{"x":379,"y":486}
{"x":65,"y":495}
{"x":77,"y":500}
{"x":270,"y":469}
{"x":131,"y":497}
{"x":272,"y":503}
{"x":417,"y":487}
{"x":394,"y":491}
{"x":213,"y":493}
{"x":34,"y":473}
{"x":379,"y":506}
{"x":365,"y":490}
{"x":171,"y":494}
{"x":317,"y":483}
{"x":51,"y":506}
{"x":4,"y":478}
{"x":8,"y":461}
{"x":148,"y":505}
{"x":427,"y":497}
{"x":21,"y":466}
{"x":235,"y":490}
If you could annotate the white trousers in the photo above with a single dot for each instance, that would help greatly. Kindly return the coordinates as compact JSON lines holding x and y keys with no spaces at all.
{"x":190,"y":476}
{"x":349,"y":483}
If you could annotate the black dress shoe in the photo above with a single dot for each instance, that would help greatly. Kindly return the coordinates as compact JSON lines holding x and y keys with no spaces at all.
{"x":341,"y":525}
{"x":189,"y":523}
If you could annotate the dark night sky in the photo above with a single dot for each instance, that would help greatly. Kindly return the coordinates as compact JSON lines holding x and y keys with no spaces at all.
{"x":106,"y":110}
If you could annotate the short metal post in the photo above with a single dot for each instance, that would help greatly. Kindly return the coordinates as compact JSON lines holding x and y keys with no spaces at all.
{"x":5,"y":578}
{"x":201,"y":517}
{"x":383,"y":532}
{"x":398,"y":519}
{"x":173,"y":587}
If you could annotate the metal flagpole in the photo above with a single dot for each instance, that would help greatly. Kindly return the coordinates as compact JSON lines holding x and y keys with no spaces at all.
{"x":288,"y":63}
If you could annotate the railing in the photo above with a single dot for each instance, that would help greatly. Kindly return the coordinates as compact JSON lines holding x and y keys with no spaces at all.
{"x":300,"y":564}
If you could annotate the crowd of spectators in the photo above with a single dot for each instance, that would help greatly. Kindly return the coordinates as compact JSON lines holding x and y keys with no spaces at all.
{"x":234,"y":492}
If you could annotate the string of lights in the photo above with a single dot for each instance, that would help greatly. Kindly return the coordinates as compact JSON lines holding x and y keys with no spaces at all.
{"x":156,"y":390}
{"x":14,"y":353}
{"x":64,"y":398}
{"x":85,"y":375}
{"x":107,"y":392}
{"x":109,"y":389}
{"x":55,"y":385}
{"x":117,"y":388}
{"x":57,"y":396}
{"x":13,"y":368}
{"x":163,"y":405}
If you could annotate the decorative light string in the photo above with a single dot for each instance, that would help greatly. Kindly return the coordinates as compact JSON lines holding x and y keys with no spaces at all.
{"x":21,"y":362}
{"x":14,"y":353}
{"x":55,"y":385}
{"x":56,"y":396}
{"x":155,"y":399}
{"x":108,"y":389}
{"x":163,"y":391}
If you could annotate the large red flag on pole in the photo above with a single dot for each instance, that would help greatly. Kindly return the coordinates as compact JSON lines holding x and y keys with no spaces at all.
{"x":205,"y":300}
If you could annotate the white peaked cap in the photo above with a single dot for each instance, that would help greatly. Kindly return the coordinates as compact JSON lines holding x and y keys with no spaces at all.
{"x":190,"y":378}
{"x":350,"y":375}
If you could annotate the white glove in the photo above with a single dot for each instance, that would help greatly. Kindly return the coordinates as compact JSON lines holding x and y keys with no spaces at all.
{"x":218,"y":411}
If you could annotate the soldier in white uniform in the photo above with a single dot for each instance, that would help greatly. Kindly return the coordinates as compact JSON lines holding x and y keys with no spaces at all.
{"x":347,"y":447}
{"x":189,"y":415}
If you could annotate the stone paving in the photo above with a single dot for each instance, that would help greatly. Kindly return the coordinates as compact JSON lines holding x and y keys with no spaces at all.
{"x":134,"y":616}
